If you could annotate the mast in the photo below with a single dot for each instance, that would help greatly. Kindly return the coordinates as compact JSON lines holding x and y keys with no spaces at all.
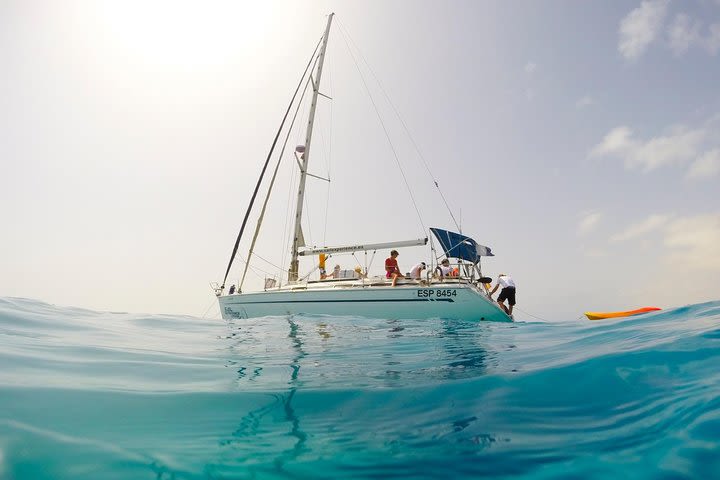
{"x":293,"y":271}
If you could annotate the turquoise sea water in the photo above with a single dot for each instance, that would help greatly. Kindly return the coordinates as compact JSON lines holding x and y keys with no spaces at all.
{"x":96,"y":395}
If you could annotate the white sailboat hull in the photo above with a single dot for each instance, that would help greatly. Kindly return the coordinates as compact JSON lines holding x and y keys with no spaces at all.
{"x":461,"y":301}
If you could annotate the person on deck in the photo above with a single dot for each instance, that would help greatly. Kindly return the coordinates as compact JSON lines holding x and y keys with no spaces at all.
{"x":444,"y":268}
{"x":416,"y":271}
{"x":321,"y":265}
{"x":391,"y":267}
{"x":507,"y":292}
{"x":335,"y":273}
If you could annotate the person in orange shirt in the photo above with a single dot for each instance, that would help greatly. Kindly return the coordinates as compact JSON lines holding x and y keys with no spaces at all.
{"x":391,"y":267}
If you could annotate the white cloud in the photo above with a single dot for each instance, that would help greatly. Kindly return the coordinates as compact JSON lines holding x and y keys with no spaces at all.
{"x":585,"y":101}
{"x":530,"y":67}
{"x":678,"y":146}
{"x":683,"y":33}
{"x":588,"y":222}
{"x":685,"y":270}
{"x":653,"y":222}
{"x":616,"y":142}
{"x":692,"y":242}
{"x":712,"y":42}
{"x":640,"y":27}
{"x":708,"y":165}
{"x":689,"y":269}
{"x":695,"y":241}
{"x":686,"y":32}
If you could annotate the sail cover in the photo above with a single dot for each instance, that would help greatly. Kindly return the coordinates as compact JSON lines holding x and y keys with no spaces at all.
{"x":457,"y":245}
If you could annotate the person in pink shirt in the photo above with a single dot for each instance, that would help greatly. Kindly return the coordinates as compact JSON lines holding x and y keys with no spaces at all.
{"x":391,"y":267}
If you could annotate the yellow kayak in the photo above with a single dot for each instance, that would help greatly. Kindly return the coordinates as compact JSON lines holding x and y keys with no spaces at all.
{"x":629,"y":313}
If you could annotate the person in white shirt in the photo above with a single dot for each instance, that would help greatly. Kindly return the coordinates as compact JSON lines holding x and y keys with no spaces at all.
{"x":416,"y":271}
{"x":444,"y":268}
{"x":507,"y":292}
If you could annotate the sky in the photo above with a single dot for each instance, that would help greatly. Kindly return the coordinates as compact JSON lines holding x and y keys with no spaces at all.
{"x":579,"y":140}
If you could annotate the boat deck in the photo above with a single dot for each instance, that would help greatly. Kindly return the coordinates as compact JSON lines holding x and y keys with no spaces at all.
{"x":371,"y":282}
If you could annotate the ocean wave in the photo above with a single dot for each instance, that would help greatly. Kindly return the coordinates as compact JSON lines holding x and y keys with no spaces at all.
{"x":116,"y":395}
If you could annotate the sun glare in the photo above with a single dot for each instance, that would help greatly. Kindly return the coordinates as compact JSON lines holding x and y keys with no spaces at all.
{"x":185,"y":34}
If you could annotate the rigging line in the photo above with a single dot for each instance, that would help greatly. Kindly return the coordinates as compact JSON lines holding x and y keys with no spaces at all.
{"x":262,"y":173}
{"x":402,"y":122}
{"x":367,"y":268}
{"x":289,"y":209}
{"x":324,"y":147}
{"x":534,"y":316}
{"x":213,"y":302}
{"x":272,"y":183}
{"x":359,"y":263}
{"x":327,"y":202}
{"x":307,"y":219}
{"x":285,"y":231}
{"x":392,"y":147}
{"x":265,"y":260}
{"x":243,"y":260}
{"x":256,"y":269}
{"x":307,"y":215}
{"x":286,"y":228}
{"x":307,"y":275}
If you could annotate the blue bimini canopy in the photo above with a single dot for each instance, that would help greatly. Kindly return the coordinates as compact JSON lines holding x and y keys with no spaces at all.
{"x":457,"y":245}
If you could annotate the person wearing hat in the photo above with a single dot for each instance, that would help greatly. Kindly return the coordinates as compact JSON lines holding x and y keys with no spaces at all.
{"x":391,"y":267}
{"x":359,"y":272}
{"x":416,"y":271}
{"x":507,"y":292}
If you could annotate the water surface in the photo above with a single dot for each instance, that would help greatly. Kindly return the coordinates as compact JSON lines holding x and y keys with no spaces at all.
{"x":95,"y":395}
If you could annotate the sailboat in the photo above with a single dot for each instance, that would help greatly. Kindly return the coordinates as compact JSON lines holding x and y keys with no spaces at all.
{"x":462,"y":294}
